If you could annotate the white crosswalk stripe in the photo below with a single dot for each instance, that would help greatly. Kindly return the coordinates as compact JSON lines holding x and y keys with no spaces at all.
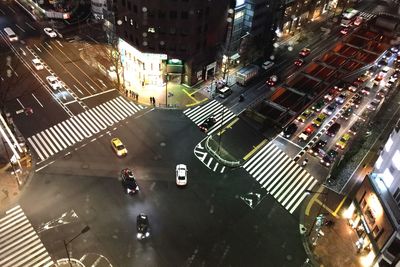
{"x":213,"y":108}
{"x":283,"y":178}
{"x":78,"y":128}
{"x":366,"y":16}
{"x":20,"y":245}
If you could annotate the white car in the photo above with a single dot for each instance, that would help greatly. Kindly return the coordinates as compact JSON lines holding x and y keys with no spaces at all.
{"x":53,"y":82}
{"x":50,"y":32}
{"x":267,"y":65}
{"x":181,"y":174}
{"x":37,"y":64}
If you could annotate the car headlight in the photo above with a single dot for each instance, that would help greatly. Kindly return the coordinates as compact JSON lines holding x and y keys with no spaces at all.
{"x":139,"y":235}
{"x":147,"y":234}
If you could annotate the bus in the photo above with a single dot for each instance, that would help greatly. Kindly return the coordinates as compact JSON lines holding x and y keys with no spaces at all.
{"x":10,"y":34}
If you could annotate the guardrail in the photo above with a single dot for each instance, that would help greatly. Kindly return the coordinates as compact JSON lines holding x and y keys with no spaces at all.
{"x":225,"y":162}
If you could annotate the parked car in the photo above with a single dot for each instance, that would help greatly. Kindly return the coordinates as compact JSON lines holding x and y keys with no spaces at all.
{"x":341,"y":98}
{"x":373,"y":105}
{"x":330,"y":109}
{"x":290,"y":130}
{"x":53,"y":82}
{"x":318,"y":105}
{"x":329,"y":158}
{"x":50,"y":32}
{"x":305,"y":135}
{"x":357,"y":99}
{"x":342,"y":143}
{"x":333,"y":129}
{"x":142,"y":226}
{"x":37,"y":64}
{"x":305,"y":115}
{"x":347,"y":113}
{"x":317,"y":148}
{"x":319,"y":120}
{"x":366,"y":90}
{"x":298,"y":62}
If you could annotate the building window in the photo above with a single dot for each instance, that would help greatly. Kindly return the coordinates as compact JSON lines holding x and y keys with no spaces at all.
{"x":173,"y":14}
{"x":151,"y":29}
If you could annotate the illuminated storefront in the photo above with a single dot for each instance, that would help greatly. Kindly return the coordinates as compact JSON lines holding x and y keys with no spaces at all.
{"x":374,"y":213}
{"x":141,"y":69}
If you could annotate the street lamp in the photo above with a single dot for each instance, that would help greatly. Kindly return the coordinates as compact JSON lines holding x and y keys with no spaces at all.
{"x":84,"y":230}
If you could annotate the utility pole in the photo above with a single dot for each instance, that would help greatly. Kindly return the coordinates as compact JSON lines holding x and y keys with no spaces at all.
{"x":220,"y":134}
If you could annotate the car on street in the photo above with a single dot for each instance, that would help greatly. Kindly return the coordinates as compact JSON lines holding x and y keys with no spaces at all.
{"x":290,"y":130}
{"x":341,"y":98}
{"x":181,"y":175}
{"x":354,"y":129}
{"x":37,"y":64}
{"x":305,"y":115}
{"x":50,"y":32}
{"x":339,"y":87}
{"x":345,"y":30}
{"x":317,"y":148}
{"x":357,"y":99}
{"x":388,"y":55}
{"x":271,"y":81}
{"x":330,"y":95}
{"x":207,"y":124}
{"x":373,"y":105}
{"x":54,"y":82}
{"x":118,"y":147}
{"x":318,"y":105}
{"x":366,"y":90}
{"x":342,"y":143}
{"x":129,"y":182}
{"x":305,"y":135}
{"x":347,"y":113}
{"x":298,"y":62}
{"x":267,"y":65}
{"x":304,"y":52}
{"x":394,"y":49}
{"x":352,"y":88}
{"x":142,"y":226}
{"x":358,"y":21}
{"x":330,"y":109}
{"x":329,"y":158}
{"x":382,"y":62}
{"x":381,"y":93}
{"x":333,"y":129}
{"x":319,"y":119}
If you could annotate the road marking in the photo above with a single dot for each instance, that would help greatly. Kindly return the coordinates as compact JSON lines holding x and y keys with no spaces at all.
{"x":22,"y":50}
{"x":37,"y":48}
{"x":70,"y":102}
{"x":91,"y":38}
{"x":107,"y":91}
{"x":37,"y":100}
{"x":12,"y":10}
{"x":30,"y":26}
{"x":20,"y":103}
{"x":94,"y":90}
{"x":79,"y":90}
{"x":59,"y":43}
{"x":2,"y":12}
{"x":49,"y":46}
{"x":19,"y":27}
{"x":255,"y":149}
{"x":290,"y":141}
{"x":339,"y":206}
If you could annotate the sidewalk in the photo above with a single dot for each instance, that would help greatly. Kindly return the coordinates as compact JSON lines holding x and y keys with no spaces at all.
{"x":328,"y":245}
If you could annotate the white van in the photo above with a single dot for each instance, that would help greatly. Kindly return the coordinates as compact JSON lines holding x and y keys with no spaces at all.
{"x":11,"y":34}
{"x":224,"y":92}
{"x":267,"y":65}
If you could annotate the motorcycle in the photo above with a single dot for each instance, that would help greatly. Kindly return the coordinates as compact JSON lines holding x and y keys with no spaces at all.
{"x":241,"y":98}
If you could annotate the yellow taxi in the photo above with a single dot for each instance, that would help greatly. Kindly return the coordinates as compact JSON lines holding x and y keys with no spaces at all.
{"x":342,"y":143}
{"x":319,"y":119}
{"x":118,"y":147}
{"x":305,"y":115}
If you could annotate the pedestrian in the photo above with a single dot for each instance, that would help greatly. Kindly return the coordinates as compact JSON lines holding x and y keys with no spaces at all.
{"x":154,"y":101}
{"x":151,"y":100}
{"x":137,"y":97}
{"x":126,"y":92}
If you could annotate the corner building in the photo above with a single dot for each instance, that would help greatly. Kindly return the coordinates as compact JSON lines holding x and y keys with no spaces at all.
{"x":175,"y":38}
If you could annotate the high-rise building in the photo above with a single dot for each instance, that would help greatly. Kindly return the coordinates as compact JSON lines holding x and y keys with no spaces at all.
{"x":180,"y":38}
{"x":375,"y":210}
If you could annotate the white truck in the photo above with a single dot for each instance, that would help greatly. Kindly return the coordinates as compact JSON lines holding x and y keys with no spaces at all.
{"x":246,"y":74}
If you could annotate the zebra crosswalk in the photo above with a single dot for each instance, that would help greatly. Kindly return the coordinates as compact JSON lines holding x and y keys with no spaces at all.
{"x":366,"y":16}
{"x":213,"y":108}
{"x":282,"y":177}
{"x":20,"y":245}
{"x":76,"y":129}
{"x":201,"y":153}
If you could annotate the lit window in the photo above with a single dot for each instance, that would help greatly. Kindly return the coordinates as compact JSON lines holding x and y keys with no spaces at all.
{"x":396,"y":160}
{"x":131,"y":21}
{"x":152,"y":30}
{"x":387,"y":178}
{"x":379,"y":162}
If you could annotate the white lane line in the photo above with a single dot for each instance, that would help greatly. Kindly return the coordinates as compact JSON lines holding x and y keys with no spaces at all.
{"x":68,"y":139}
{"x":95,"y":120}
{"x":59,"y":43}
{"x":20,"y":103}
{"x":12,"y":10}
{"x":19,"y":27}
{"x":94,"y":90}
{"x":290,"y":141}
{"x":79,"y":90}
{"x":37,"y":48}
{"x":107,"y":91}
{"x":49,"y":46}
{"x":48,"y":141}
{"x":42,"y":149}
{"x":30,"y":26}
{"x":37,"y":100}
{"x":2,"y":12}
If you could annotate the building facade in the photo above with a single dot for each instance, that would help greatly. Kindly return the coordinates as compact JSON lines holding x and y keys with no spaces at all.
{"x":375,"y":212}
{"x":98,"y":7}
{"x":175,"y":38}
